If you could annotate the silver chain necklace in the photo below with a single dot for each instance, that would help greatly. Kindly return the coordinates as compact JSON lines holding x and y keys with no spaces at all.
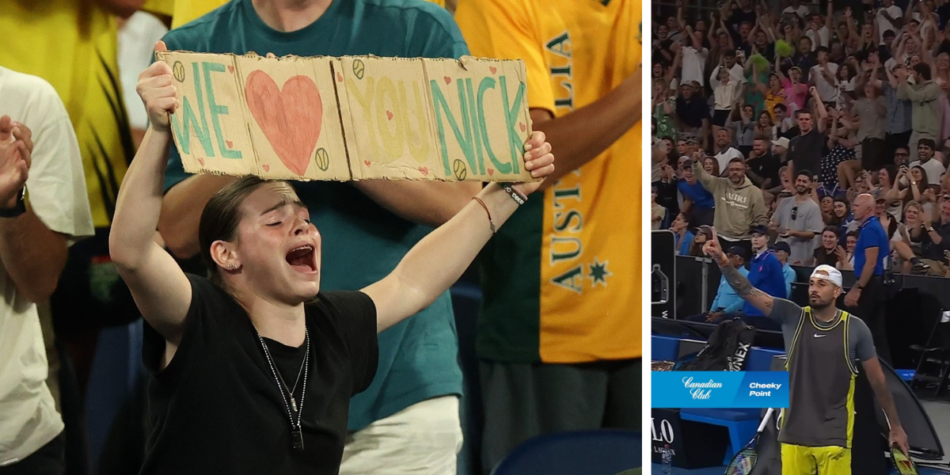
{"x":296,"y":438}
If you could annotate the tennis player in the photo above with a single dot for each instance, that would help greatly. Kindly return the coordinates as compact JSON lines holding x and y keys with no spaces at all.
{"x":252,"y":371}
{"x":824,"y":347}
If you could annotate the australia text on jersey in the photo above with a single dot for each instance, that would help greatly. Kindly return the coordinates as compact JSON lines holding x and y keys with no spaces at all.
{"x":566,"y":244}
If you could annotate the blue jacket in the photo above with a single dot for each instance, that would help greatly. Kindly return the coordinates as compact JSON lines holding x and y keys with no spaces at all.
{"x":726,"y":297}
{"x":789,"y":274}
{"x":766,"y":274}
{"x":682,"y":247}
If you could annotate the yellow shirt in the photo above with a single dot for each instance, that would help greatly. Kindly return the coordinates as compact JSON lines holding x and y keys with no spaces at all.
{"x":72,"y":44}
{"x":588,"y":268}
{"x":184,"y":11}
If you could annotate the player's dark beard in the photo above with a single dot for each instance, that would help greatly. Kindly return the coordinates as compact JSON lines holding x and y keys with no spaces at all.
{"x":818,"y":305}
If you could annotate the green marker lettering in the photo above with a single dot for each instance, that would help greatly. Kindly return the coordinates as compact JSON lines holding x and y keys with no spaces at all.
{"x":464,"y":137}
{"x":511,"y":119}
{"x":216,"y":110}
{"x":473,"y":112}
{"x":486,"y":84}
{"x":190,"y":120}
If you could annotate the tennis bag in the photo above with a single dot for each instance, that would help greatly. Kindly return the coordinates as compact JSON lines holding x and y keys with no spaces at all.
{"x":726,"y":350}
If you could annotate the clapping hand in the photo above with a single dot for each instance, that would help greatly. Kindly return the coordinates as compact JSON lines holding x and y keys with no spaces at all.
{"x":16,"y":148}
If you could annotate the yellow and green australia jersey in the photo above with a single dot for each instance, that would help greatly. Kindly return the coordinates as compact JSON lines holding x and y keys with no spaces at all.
{"x":562,"y":277}
{"x":73,"y":45}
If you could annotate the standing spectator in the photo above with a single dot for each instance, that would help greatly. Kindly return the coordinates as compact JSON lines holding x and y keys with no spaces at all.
{"x":827,"y":253}
{"x":923,"y":94}
{"x":933,"y":168}
{"x":698,"y":202}
{"x":782,"y":251}
{"x":762,"y":165}
{"x":783,"y":123}
{"x":797,"y":8}
{"x":742,"y":127}
{"x":34,"y":241}
{"x":726,"y":94}
{"x":682,"y":235}
{"x":692,"y":113}
{"x":711,"y":165}
{"x":823,"y":75}
{"x":889,"y":18}
{"x":795,"y":91}
{"x":693,"y":57}
{"x":806,"y":150}
{"x":383,"y":220}
{"x":765,"y":274}
{"x":803,"y":59}
{"x":739,"y":204}
{"x":729,"y":63}
{"x":868,"y":296}
{"x":543,"y":341}
{"x":871,"y":111}
{"x":724,"y":151}
{"x":798,"y":221}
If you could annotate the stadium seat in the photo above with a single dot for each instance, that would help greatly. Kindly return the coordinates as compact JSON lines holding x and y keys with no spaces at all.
{"x":117,"y":379}
{"x":466,"y":300}
{"x":597,"y":452}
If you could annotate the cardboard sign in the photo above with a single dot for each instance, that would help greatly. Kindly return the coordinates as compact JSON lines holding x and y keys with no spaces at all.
{"x":350,"y":118}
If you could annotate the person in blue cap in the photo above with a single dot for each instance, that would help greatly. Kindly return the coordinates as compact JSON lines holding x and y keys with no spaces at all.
{"x":766,"y":274}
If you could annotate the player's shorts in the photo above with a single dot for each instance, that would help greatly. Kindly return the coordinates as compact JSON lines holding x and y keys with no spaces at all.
{"x":798,"y":460}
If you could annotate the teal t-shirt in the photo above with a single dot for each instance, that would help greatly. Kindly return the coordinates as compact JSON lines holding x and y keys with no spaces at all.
{"x":362,"y":242}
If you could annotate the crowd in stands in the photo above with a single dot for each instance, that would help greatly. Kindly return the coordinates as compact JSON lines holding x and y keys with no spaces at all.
{"x":791,"y":113}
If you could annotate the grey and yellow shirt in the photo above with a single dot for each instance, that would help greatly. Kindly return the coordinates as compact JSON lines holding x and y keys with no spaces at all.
{"x":822,"y":364}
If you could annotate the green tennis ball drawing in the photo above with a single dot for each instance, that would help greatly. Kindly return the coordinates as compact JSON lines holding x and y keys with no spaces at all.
{"x":460,"y":171}
{"x":783,"y":49}
{"x":323,"y":159}
{"x":359,"y":68}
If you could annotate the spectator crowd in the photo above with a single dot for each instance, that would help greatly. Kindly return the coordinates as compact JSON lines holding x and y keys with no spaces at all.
{"x":805,"y":134}
{"x":790,"y":114}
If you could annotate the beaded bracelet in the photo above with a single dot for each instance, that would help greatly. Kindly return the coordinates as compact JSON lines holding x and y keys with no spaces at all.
{"x":519,"y":198}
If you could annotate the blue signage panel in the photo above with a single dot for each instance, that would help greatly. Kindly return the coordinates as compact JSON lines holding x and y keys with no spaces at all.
{"x":720,"y":389}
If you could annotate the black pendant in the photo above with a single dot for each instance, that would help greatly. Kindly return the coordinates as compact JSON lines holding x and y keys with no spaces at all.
{"x":296,"y":438}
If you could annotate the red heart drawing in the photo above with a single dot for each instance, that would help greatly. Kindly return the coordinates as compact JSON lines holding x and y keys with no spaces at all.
{"x":291,"y":119}
{"x":491,"y":171}
{"x":201,"y":161}
{"x":493,"y":69}
{"x":448,"y":80}
{"x":230,"y":69}
{"x":367,"y":162}
{"x":389,"y":115}
{"x":229,"y":144}
{"x":339,"y":77}
{"x":424,"y":171}
{"x":266,"y":167}
{"x":520,"y":124}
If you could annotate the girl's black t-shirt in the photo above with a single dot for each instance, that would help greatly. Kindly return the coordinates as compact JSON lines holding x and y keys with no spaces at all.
{"x":216,"y":408}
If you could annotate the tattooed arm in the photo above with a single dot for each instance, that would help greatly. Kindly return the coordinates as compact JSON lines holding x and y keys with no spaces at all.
{"x":759,"y":299}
